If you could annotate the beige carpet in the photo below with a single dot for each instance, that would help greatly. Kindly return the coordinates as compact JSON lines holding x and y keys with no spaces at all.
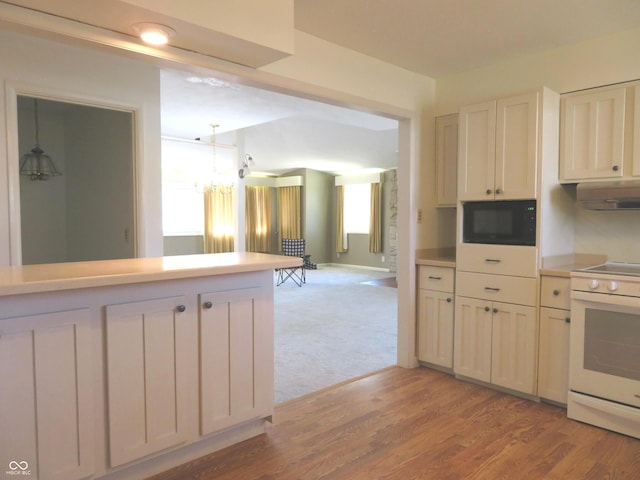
{"x":340,"y":325}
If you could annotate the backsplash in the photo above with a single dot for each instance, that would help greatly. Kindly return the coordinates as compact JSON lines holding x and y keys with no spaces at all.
{"x":612,"y":233}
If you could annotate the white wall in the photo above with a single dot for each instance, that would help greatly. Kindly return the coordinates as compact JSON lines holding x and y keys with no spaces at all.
{"x":603,"y":61}
{"x":38,"y":66}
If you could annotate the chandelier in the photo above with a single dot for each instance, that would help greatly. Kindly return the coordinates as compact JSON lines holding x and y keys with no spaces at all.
{"x":36,"y":164}
{"x":222,"y":179}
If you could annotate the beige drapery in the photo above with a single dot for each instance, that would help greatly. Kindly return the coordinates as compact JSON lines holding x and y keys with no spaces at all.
{"x":341,"y":243}
{"x":257,"y":219}
{"x":375,"y":219}
{"x":289,"y":220}
{"x":219,"y":226}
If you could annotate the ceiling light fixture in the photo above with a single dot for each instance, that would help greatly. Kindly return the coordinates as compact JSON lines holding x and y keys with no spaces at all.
{"x":154,"y":33}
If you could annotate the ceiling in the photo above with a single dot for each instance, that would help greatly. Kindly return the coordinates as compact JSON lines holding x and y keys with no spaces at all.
{"x":443,"y":37}
{"x":431,"y":37}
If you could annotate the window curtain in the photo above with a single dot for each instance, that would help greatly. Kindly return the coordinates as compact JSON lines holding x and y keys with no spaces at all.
{"x":289,"y":220}
{"x":219,"y":226}
{"x":341,"y":237}
{"x":257,"y":219}
{"x":375,"y":221}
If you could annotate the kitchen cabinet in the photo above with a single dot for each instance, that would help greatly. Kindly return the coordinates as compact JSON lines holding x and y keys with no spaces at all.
{"x":46,"y":393}
{"x":498,"y":149}
{"x":446,"y":160}
{"x":553,"y":359}
{"x":235,"y":332}
{"x":593,"y":129}
{"x":496,"y":343}
{"x":435,"y":315}
{"x":148,"y":381}
{"x":112,"y":369}
{"x":495,"y":334}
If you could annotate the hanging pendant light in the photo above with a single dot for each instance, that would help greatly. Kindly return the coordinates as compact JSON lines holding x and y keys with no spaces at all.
{"x":36,"y":164}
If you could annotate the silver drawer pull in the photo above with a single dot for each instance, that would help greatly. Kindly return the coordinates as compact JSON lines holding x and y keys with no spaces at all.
{"x":434,"y":278}
{"x":492,"y":289}
{"x":492,"y":260}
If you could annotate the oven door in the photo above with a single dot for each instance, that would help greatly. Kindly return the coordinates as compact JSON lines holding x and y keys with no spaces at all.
{"x":604,"y":356}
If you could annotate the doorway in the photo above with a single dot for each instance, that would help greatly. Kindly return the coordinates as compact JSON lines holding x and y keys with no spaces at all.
{"x":88,"y":211}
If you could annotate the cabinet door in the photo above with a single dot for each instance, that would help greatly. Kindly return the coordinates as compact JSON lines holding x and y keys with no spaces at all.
{"x":553,"y":361}
{"x":477,"y":151}
{"x":446,"y":160}
{"x":148,"y":381}
{"x":46,"y":395}
{"x":472,"y":338}
{"x":236,"y":357}
{"x":592,"y":136}
{"x":516,"y":147}
{"x":435,"y":327}
{"x":514,"y":347}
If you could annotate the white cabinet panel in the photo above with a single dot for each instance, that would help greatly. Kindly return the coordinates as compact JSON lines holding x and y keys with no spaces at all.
{"x":517,"y":147}
{"x":147,"y":380}
{"x":472,"y":338}
{"x":498,"y":149}
{"x":513,"y":347}
{"x":477,"y":151}
{"x":236,"y":341}
{"x":553,"y":377}
{"x":435,"y":327}
{"x":593,"y":135}
{"x":446,"y":160}
{"x":47,"y":414}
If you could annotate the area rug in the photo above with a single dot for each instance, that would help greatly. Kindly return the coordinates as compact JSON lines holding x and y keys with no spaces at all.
{"x":333,"y":328}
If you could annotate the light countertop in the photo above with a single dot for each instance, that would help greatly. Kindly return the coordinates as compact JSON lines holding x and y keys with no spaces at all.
{"x":66,"y":276}
{"x":437,"y":257}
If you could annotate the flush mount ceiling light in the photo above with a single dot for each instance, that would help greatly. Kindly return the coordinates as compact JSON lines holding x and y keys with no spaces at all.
{"x":154,"y":33}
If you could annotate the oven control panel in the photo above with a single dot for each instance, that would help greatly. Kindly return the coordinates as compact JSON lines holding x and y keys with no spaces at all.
{"x":607,"y":284}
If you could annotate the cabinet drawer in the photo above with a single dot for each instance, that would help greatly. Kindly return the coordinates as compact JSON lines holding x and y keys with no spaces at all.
{"x":436,"y":278}
{"x":554,"y":292}
{"x":515,"y":260}
{"x":501,"y":288}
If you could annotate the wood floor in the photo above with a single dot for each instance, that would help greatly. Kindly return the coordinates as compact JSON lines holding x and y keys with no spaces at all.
{"x":420,"y":424}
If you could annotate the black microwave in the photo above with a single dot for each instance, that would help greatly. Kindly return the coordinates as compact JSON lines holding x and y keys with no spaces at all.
{"x":504,"y":222}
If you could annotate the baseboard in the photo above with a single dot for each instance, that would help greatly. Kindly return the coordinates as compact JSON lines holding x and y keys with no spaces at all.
{"x":363,"y":267}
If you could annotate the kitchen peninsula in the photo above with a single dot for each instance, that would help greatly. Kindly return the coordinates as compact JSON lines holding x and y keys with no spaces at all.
{"x":123,"y":368}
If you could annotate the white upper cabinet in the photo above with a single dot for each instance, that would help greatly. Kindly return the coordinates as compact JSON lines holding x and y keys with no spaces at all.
{"x":593,"y":135}
{"x":498,"y":149}
{"x":446,"y":160}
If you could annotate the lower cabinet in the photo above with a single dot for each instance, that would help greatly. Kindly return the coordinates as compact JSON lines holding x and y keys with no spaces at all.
{"x":148,"y":380}
{"x":47,"y":409}
{"x":234,"y":336}
{"x":496,"y":343}
{"x":553,"y":377}
{"x":435,"y":315}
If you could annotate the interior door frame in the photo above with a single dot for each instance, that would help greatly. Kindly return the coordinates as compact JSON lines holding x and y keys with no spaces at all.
{"x":15,"y":89}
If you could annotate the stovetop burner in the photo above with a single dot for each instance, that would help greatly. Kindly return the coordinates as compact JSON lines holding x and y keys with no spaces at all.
{"x":615,"y":268}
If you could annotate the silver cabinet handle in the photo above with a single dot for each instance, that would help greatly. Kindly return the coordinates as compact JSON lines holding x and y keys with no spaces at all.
{"x":449,"y":300}
{"x":556,"y":292}
{"x":498,"y":191}
{"x":567,"y":320}
{"x":207,"y":305}
{"x":181,"y":308}
{"x":492,"y":260}
{"x":434,"y":278}
{"x":492,"y":289}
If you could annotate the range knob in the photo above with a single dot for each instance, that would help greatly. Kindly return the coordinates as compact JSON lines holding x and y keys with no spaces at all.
{"x":593,"y":284}
{"x":612,"y":286}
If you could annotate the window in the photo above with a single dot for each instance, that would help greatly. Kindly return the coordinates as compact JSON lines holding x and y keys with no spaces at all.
{"x":357,"y":206}
{"x":186,"y":167}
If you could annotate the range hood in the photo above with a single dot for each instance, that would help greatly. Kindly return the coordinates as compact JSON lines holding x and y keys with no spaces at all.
{"x":621,"y":195}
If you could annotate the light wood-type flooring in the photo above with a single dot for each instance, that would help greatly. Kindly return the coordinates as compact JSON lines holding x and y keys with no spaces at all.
{"x":420,"y":424}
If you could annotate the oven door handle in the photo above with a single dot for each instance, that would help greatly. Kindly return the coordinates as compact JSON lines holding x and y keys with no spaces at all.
{"x":604,"y":298}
